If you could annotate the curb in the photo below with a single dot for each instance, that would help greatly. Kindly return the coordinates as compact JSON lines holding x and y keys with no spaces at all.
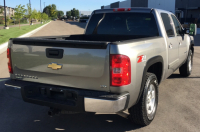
{"x":4,"y":46}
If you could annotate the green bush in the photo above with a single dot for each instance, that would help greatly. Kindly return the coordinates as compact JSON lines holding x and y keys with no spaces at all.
{"x":8,"y":20}
{"x":21,"y":21}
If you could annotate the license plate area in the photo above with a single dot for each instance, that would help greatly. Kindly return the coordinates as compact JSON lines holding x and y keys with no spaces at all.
{"x":51,"y":94}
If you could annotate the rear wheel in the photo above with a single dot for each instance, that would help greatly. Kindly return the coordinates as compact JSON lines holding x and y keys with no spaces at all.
{"x":144,"y":111}
{"x":186,"y":69}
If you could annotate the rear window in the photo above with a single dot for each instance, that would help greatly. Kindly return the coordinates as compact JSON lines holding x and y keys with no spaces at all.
{"x":142,"y":24}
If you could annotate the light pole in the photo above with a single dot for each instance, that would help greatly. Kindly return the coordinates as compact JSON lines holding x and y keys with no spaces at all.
{"x":5,"y":15}
{"x":31,"y":10}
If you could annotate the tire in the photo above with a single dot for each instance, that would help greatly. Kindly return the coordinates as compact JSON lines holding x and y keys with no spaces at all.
{"x":138,"y":113}
{"x":186,"y":69}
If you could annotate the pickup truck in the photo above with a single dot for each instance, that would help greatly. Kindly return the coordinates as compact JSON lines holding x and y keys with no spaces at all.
{"x":116,"y":66}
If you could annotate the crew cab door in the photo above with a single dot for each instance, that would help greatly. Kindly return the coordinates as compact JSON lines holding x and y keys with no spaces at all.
{"x":181,"y":40}
{"x":173,"y":56}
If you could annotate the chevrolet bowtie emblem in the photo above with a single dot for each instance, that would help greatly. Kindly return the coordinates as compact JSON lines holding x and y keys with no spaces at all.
{"x":55,"y":66}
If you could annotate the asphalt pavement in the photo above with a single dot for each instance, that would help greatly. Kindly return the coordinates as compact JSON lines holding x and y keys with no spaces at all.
{"x":178,"y":109}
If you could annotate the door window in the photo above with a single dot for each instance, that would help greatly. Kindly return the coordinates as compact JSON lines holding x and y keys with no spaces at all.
{"x":168,"y":25}
{"x":177,"y":25}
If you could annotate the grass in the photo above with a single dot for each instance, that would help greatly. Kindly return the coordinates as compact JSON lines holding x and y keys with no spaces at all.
{"x":15,"y":32}
{"x":13,"y":24}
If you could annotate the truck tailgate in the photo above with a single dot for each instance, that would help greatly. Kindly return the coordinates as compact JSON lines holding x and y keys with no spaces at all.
{"x":78,"y":64}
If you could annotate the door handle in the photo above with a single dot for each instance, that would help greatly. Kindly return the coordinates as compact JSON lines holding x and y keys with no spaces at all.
{"x":180,"y":43}
{"x":170,"y":45}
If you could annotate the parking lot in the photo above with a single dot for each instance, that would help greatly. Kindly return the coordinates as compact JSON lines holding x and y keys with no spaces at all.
{"x":178,"y":109}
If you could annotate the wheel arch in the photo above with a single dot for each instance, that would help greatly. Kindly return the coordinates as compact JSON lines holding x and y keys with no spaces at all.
{"x":151,"y":62}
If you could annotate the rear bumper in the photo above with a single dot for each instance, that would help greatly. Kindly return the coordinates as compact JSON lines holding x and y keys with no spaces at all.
{"x":70,"y":99}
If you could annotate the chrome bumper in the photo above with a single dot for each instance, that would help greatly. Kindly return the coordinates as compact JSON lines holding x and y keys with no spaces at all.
{"x":105,"y":106}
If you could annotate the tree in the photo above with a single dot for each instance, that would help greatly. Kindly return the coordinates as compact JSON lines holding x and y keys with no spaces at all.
{"x":68,"y":14}
{"x":74,"y":12}
{"x":35,"y":15}
{"x":51,"y":11}
{"x":47,"y":10}
{"x":44,"y":16}
{"x":29,"y":13}
{"x":20,"y":12}
{"x":53,"y":6}
{"x":60,"y":14}
{"x":39,"y":16}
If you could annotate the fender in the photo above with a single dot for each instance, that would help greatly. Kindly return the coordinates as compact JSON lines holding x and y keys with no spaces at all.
{"x":149,"y":63}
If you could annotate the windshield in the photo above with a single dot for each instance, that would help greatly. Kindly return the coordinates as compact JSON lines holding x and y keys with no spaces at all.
{"x":142,"y":24}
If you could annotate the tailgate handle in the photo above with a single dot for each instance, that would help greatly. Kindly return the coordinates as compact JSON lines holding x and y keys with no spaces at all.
{"x":54,"y":53}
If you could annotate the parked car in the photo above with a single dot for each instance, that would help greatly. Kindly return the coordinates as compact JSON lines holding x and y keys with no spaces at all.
{"x":116,"y":65}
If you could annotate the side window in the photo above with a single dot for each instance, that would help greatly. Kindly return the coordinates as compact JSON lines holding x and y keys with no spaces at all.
{"x":167,"y":23}
{"x":177,"y":25}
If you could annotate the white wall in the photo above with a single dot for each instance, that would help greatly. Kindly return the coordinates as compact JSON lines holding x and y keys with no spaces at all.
{"x":126,"y":3}
{"x":107,"y":7}
{"x":168,"y":5}
{"x":85,"y":12}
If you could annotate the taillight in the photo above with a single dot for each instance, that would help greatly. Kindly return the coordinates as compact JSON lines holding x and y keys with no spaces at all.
{"x":122,"y":9}
{"x":9,"y":61}
{"x":120,"y":70}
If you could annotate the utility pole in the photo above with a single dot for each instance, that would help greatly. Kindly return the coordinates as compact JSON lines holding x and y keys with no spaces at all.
{"x":5,"y":13}
{"x":40,"y":7}
{"x":44,"y":4}
{"x":31,"y":11}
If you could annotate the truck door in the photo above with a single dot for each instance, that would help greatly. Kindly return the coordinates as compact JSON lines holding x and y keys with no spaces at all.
{"x":181,"y":40}
{"x":173,"y":56}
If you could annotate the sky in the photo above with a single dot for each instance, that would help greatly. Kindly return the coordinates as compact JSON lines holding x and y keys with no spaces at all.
{"x":64,"y":5}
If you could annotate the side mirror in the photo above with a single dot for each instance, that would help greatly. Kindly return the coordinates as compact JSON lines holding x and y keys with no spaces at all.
{"x":193,"y":29}
{"x":185,"y":31}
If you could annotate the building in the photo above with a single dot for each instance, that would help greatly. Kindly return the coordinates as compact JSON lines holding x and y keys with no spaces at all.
{"x":185,"y":10}
{"x":168,"y":5}
{"x":188,"y":10}
{"x":85,"y":13}
{"x":9,"y":11}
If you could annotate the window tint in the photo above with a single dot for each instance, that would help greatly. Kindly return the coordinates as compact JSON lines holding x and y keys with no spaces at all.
{"x":177,"y":25}
{"x":142,"y":24}
{"x":167,"y":23}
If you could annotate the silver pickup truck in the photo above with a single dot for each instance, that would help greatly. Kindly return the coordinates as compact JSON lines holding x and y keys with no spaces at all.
{"x":117,"y":65}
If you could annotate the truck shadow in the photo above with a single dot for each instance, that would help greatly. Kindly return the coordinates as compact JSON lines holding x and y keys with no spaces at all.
{"x":79,"y":24}
{"x":87,"y":122}
{"x":173,"y":76}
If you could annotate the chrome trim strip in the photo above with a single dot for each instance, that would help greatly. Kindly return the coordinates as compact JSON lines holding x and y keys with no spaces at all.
{"x":104,"y":106}
{"x":12,"y":86}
